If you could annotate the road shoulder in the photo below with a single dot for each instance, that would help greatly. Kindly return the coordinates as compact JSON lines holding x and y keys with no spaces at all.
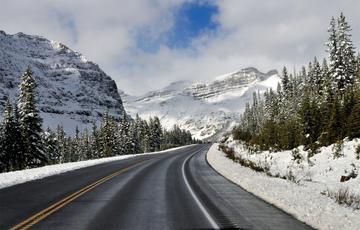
{"x":303,"y":202}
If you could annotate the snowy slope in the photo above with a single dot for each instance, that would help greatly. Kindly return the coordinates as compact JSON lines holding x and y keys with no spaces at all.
{"x":205,"y":109}
{"x":305,"y":192}
{"x":72,"y":90}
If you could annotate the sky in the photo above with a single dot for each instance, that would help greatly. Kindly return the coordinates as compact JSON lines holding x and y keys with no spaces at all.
{"x":146,"y":44}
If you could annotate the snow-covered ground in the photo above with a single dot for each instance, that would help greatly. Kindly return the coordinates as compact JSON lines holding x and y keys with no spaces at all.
{"x":21,"y":176}
{"x":305,"y":196}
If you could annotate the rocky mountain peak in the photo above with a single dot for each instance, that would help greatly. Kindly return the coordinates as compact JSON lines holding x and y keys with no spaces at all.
{"x":206,"y":109}
{"x":72,"y":90}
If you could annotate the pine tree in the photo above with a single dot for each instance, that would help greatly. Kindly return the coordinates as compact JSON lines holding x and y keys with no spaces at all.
{"x":346,"y":53}
{"x":342,"y":55}
{"x":134,"y":137}
{"x":332,"y":49}
{"x":145,"y":136}
{"x":285,"y":82}
{"x":107,"y":136}
{"x":353,"y":124}
{"x":155,"y":133}
{"x":317,"y":80}
{"x":76,"y":146}
{"x":50,"y":147}
{"x":326,"y":76}
{"x":124,"y":135}
{"x":61,"y":144}
{"x":10,"y":148}
{"x":19,"y":143}
{"x":85,"y":143}
{"x":335,"y":127}
{"x":310,"y":117}
{"x":30,"y":121}
{"x":3,"y":159}
{"x":95,"y":142}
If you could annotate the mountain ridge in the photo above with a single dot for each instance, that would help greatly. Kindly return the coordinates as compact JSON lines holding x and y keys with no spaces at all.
{"x":73,"y":91}
{"x":203,"y":108}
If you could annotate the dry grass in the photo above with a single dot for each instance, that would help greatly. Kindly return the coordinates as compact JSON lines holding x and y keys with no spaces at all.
{"x":230,"y":153}
{"x":344,"y":197}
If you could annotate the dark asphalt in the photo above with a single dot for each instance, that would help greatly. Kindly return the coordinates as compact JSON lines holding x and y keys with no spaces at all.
{"x":152,"y":195}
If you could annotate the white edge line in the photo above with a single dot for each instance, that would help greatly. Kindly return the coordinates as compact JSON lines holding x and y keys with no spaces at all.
{"x":201,"y":206}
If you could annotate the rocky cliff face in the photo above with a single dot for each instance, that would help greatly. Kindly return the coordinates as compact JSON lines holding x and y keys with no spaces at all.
{"x":206,"y":109}
{"x":72,"y":90}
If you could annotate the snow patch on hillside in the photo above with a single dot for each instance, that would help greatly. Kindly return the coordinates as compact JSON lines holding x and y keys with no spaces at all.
{"x":305,"y":199}
{"x":271,"y":82}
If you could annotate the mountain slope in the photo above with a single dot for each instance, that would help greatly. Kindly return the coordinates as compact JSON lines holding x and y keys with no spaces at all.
{"x":72,"y":90}
{"x":206,"y":109}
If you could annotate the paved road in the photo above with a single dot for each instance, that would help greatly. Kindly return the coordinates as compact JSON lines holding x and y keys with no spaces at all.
{"x":174,"y":190}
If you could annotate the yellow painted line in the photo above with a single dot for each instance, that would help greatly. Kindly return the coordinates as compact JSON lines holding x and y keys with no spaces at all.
{"x":29,"y":222}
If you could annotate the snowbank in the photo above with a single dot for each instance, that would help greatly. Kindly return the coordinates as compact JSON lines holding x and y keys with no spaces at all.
{"x":17,"y":177}
{"x":302,"y":199}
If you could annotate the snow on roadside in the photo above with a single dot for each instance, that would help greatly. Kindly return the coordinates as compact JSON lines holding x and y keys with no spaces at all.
{"x":17,"y":177}
{"x":304,"y":200}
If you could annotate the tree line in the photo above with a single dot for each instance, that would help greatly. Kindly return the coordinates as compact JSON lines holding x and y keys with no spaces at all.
{"x":23,"y":143}
{"x":315,"y":107}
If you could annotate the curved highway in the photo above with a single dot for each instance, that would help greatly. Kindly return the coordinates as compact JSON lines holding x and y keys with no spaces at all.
{"x":173,"y":190}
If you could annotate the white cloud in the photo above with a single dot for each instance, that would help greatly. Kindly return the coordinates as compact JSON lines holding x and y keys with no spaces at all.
{"x":265,"y":34}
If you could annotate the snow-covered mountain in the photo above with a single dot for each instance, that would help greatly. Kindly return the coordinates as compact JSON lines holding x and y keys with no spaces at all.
{"x":72,"y":90}
{"x":206,"y":109}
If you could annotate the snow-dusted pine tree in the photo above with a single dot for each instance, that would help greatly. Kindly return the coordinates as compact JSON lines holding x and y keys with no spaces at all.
{"x":341,"y":54}
{"x":155,"y":133}
{"x":346,"y":53}
{"x":85,"y":143}
{"x":107,"y":136}
{"x":123,"y":135}
{"x":30,"y":121}
{"x":50,"y":146}
{"x":95,"y":142}
{"x":11,"y":154}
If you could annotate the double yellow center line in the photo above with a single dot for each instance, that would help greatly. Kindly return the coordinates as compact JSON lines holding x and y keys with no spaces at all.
{"x":29,"y":222}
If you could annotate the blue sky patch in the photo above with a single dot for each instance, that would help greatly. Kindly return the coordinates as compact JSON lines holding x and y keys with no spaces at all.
{"x":191,"y":19}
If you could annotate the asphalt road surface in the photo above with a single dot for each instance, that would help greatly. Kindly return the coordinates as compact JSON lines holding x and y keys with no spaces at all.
{"x":173,"y":190}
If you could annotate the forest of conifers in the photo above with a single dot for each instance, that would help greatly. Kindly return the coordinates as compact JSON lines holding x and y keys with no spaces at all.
{"x":315,"y":107}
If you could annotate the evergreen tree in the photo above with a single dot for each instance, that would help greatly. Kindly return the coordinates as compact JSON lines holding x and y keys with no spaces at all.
{"x":108,"y":136}
{"x":346,"y":53}
{"x":75,"y":146}
{"x":30,"y":121}
{"x":134,"y":137}
{"x":332,"y":45}
{"x":50,"y":147}
{"x":11,"y":156}
{"x":145,"y":136}
{"x":335,"y":126}
{"x":155,"y":133}
{"x":353,"y":126}
{"x":61,"y":144}
{"x":342,"y":55}
{"x":326,"y":76}
{"x":285,"y":82}
{"x":19,"y":143}
{"x":95,"y":142}
{"x":125,"y":144}
{"x":85,"y":143}
{"x":317,"y":79}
